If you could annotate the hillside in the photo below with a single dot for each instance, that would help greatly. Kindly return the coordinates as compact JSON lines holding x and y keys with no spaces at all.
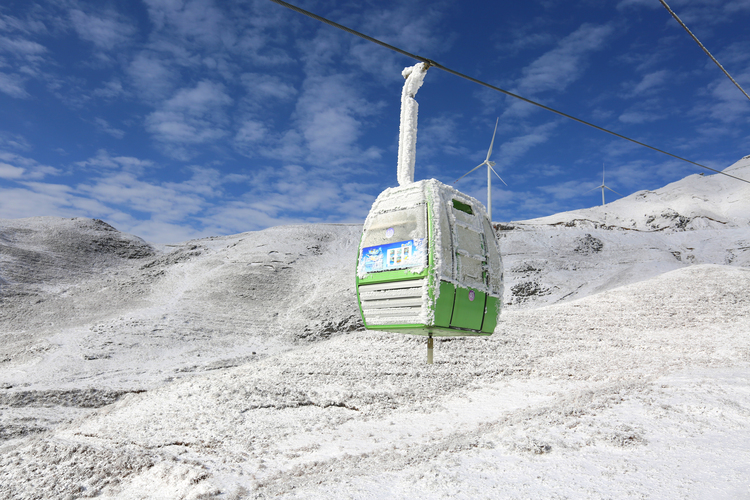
{"x":236,"y":367}
{"x":700,"y":219}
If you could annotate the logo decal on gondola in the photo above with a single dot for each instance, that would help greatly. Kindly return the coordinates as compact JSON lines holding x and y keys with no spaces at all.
{"x":397,"y":255}
{"x":471,"y":295}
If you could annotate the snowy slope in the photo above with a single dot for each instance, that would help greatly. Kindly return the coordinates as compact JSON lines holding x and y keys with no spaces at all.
{"x":630,"y":393}
{"x":697,"y":220}
{"x":236,"y":367}
{"x":78,"y":326}
{"x":695,"y":202}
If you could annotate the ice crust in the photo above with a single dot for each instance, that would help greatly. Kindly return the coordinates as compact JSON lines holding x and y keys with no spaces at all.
{"x":407,"y":134}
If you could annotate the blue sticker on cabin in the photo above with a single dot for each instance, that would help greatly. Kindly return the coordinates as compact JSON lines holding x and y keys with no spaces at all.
{"x":397,"y":255}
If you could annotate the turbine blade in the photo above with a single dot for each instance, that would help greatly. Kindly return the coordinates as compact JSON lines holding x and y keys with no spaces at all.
{"x":493,"y":140}
{"x":597,"y":187}
{"x":467,"y":173}
{"x":498,"y":175}
{"x":614,"y":191}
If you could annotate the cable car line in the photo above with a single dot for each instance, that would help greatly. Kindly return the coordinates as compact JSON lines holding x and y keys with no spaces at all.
{"x":704,"y":48}
{"x":432,"y":63}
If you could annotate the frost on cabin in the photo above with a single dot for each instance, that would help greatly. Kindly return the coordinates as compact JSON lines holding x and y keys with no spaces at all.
{"x":418,"y":227}
{"x":407,"y":136}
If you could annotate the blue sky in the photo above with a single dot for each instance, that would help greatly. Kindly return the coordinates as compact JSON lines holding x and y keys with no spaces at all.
{"x":177,"y":119}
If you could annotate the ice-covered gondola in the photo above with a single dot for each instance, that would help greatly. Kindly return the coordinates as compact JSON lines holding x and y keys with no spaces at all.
{"x":429,"y":263}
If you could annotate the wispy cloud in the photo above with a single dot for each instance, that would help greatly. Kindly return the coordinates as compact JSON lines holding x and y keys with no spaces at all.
{"x":10,"y":172}
{"x":569,"y":189}
{"x":20,"y":167}
{"x":153,"y":76}
{"x":645,"y":111}
{"x":518,"y":146}
{"x":328,"y":116}
{"x":560,"y":67}
{"x":198,"y":20}
{"x":104,"y":126}
{"x":106,"y":31}
{"x":122,"y":190}
{"x":440,"y":136}
{"x":13,"y":85}
{"x":192,"y":116}
{"x":261,"y":87}
{"x":22,"y":48}
{"x":649,"y":84}
{"x":104,"y":161}
{"x":564,"y":64}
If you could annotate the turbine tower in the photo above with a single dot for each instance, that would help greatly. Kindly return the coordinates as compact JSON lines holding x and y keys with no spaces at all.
{"x":603,"y":187}
{"x":489,"y":164}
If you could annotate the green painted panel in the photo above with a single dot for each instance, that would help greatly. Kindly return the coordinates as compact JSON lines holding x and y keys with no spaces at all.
{"x":444,"y":304}
{"x":490,"y":315}
{"x":468,"y":313}
{"x":388,"y":276}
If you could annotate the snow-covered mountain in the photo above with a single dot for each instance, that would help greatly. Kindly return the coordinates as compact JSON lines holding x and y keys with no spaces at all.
{"x":697,"y":220}
{"x":236,"y":367}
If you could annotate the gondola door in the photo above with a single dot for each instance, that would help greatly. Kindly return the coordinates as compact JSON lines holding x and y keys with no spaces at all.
{"x":471,"y":266}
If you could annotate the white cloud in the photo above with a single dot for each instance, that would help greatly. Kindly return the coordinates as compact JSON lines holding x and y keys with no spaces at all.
{"x":13,"y":85}
{"x":520,"y":145}
{"x":14,"y":141}
{"x":105,"y":32}
{"x":110,"y":90}
{"x":19,"y":167}
{"x":191,"y":19}
{"x":152,"y":75}
{"x":441,"y":135}
{"x":27,"y":26}
{"x":22,"y":48}
{"x":568,"y":190}
{"x":639,"y":116}
{"x":205,"y":99}
{"x":119,"y":189}
{"x":728,"y":103}
{"x":261,"y":87}
{"x":564,"y":64}
{"x":104,"y":126}
{"x":736,"y":6}
{"x":10,"y":172}
{"x":328,"y":117}
{"x":103,"y":160}
{"x":650,"y":83}
{"x":192,"y":116}
{"x":23,"y":60}
{"x":125,"y":189}
{"x":251,"y":132}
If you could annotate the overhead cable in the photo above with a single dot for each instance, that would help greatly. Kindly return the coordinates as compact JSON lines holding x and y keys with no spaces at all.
{"x":497,"y":89}
{"x":704,"y":48}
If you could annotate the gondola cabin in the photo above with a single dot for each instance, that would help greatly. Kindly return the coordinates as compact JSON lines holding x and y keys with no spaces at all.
{"x":429,"y":263}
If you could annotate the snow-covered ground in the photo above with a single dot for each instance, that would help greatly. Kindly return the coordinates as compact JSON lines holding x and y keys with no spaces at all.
{"x":236,"y":367}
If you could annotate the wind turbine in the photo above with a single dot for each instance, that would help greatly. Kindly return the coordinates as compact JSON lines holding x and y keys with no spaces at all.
{"x":489,"y":164}
{"x":603,"y":187}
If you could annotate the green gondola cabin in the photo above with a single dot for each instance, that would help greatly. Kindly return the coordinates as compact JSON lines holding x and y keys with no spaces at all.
{"x":429,"y":263}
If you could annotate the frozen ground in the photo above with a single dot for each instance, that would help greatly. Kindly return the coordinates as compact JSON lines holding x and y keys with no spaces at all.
{"x":236,"y":367}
